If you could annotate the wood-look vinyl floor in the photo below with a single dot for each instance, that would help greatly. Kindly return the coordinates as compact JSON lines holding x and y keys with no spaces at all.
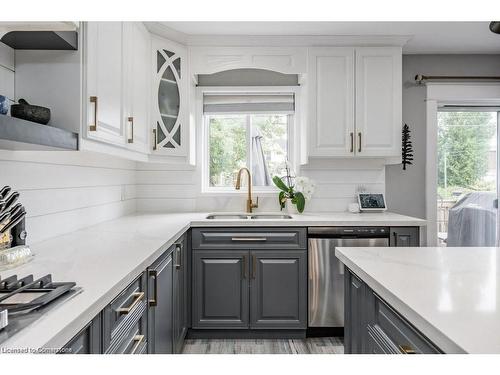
{"x":313,"y":345}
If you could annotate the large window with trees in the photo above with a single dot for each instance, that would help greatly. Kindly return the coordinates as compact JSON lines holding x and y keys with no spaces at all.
{"x":250,"y":127}
{"x":467,"y":176}
{"x":257,"y":141}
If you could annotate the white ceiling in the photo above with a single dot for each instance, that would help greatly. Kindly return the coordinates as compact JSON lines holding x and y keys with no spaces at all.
{"x":425,"y":37}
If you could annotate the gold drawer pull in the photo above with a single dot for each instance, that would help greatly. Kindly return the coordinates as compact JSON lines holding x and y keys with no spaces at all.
{"x":139,"y":339}
{"x":406,"y":349}
{"x":154,"y":139}
{"x":93,"y":127}
{"x":248,"y":239}
{"x":125,"y":310}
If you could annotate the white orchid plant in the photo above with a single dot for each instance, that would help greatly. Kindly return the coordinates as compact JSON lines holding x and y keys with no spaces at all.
{"x":297,"y":189}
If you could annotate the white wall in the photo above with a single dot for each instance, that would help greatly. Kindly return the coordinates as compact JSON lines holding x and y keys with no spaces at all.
{"x":64,"y":191}
{"x":172,"y":188}
{"x":7,"y":71}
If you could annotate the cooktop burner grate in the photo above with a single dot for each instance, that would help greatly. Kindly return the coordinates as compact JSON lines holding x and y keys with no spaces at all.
{"x":26,"y":294}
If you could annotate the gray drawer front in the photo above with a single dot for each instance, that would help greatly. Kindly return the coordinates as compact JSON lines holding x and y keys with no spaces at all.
{"x":249,"y":238}
{"x":133,"y":338}
{"x":399,"y":331}
{"x":124,"y":311}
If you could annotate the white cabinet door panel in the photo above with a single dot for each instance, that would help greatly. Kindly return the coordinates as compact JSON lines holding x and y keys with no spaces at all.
{"x":331,"y":98}
{"x":137,"y":52}
{"x":378,"y":101}
{"x":104,"y":57}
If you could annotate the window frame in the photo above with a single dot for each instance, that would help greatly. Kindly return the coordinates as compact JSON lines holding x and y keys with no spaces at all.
{"x":203,"y":131}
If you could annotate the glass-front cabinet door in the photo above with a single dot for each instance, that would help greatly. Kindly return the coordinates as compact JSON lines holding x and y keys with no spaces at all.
{"x":169,"y":98}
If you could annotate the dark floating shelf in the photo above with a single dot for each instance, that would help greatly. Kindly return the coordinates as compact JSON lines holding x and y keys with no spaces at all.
{"x":24,"y":132}
{"x":42,"y":40}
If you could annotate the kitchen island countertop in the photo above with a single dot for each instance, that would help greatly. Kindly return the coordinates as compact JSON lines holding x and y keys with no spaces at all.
{"x":450,"y":294}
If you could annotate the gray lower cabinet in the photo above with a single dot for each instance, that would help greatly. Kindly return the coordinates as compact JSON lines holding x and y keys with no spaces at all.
{"x":160,"y":311}
{"x":404,"y":236}
{"x":220,"y":289}
{"x":278,"y":289}
{"x":354,"y":314}
{"x":249,"y":278}
{"x":374,"y":327}
{"x":87,"y":341}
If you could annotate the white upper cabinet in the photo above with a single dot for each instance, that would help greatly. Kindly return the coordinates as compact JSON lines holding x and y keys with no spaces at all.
{"x":331,"y":101}
{"x":137,"y":85}
{"x":378,"y":101}
{"x":104,"y":80}
{"x":355,"y":102}
{"x":170,"y":111}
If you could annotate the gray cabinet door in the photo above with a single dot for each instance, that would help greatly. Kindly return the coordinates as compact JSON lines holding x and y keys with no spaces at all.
{"x":179,"y":295}
{"x":404,"y":236}
{"x":160,"y":319}
{"x":87,"y":341}
{"x":354,"y":309}
{"x":220,"y":289}
{"x":278,"y":289}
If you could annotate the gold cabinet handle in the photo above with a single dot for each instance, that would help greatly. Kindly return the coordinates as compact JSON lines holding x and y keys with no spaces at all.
{"x":178,"y":256}
{"x":154,"y":139}
{"x":131,"y":121}
{"x":126,"y":310}
{"x":352,"y":142}
{"x":138,"y":341}
{"x":249,"y":239}
{"x":359,"y":139}
{"x":154,"y":275}
{"x":244,"y":266}
{"x":406,"y":349}
{"x":254,"y":266}
{"x":93,"y":127}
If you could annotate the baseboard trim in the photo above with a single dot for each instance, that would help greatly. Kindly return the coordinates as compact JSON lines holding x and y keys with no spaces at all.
{"x":325,"y":332}
{"x":245,"y":334}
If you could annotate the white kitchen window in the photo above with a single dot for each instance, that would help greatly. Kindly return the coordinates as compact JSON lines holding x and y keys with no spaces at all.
{"x":246,"y":129}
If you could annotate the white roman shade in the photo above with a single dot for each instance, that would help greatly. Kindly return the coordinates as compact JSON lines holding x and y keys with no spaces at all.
{"x":282,"y":103}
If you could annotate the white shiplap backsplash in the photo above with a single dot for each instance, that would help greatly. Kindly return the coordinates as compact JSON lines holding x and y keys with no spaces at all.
{"x":172,"y":188}
{"x":66,"y":191}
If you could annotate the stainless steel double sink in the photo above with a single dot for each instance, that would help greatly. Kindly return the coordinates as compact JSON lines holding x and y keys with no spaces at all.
{"x":245,"y":216}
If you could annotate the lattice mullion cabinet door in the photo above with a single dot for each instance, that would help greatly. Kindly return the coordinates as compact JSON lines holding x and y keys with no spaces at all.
{"x":170,"y":98}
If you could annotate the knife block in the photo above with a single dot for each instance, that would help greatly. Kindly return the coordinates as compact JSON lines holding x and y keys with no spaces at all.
{"x":15,"y":236}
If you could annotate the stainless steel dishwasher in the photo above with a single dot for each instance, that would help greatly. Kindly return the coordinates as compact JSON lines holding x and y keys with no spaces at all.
{"x":326,"y":272}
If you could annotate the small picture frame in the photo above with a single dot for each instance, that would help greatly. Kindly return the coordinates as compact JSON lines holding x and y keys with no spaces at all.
{"x":371,"y":202}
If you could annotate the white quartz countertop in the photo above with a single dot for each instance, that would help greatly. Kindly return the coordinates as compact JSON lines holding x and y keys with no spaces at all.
{"x":319,"y":219}
{"x":451,"y":295}
{"x":105,"y":258}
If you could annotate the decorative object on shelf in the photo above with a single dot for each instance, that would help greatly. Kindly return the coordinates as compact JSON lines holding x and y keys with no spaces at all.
{"x":296,"y":189}
{"x":407,"y":147}
{"x":4,"y":105}
{"x":34,"y":113}
{"x":495,"y":27}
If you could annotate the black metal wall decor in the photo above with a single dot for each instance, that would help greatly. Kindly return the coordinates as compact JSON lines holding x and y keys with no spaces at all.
{"x":407,"y":147}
